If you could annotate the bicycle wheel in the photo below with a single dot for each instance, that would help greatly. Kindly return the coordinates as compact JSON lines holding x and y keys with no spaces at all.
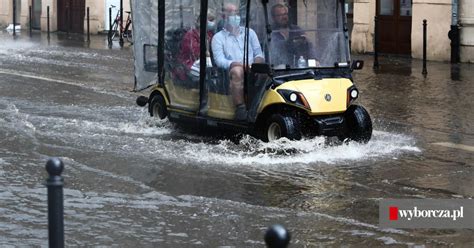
{"x":128,"y":33}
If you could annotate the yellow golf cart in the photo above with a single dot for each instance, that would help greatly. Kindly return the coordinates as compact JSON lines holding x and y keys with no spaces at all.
{"x":303,"y":88}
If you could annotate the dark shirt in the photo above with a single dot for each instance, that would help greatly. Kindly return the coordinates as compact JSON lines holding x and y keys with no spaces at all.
{"x":287,"y":51}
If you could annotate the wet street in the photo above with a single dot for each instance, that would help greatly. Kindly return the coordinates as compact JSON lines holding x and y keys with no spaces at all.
{"x":131,"y":180}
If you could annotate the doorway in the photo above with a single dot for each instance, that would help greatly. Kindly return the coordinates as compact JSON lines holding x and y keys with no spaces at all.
{"x":394,"y":26}
{"x":71,"y":15}
{"x":108,"y":4}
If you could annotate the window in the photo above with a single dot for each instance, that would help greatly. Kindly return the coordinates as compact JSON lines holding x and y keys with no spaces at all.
{"x":386,"y":7}
{"x":405,"y":7}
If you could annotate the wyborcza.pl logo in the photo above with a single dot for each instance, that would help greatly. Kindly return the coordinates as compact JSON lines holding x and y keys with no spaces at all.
{"x":409,"y":214}
{"x":426,"y":213}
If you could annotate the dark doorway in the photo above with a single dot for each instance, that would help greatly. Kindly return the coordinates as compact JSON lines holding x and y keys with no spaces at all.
{"x":36,"y":19}
{"x":75,"y":21}
{"x":394,"y":30}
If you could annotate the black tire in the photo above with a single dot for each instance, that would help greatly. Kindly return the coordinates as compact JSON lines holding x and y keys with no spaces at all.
{"x":279,"y":126}
{"x":358,"y":125}
{"x":157,"y":107}
{"x":128,"y":33}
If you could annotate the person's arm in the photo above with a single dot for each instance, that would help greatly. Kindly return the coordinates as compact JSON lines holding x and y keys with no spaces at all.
{"x":256,"y":48}
{"x":186,"y":53}
{"x":195,"y":45}
{"x":217,"y":46}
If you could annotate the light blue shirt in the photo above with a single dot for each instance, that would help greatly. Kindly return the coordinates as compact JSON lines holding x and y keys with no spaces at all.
{"x":228,"y":48}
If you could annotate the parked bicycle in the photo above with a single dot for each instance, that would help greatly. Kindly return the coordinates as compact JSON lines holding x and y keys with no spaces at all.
{"x":126,"y":31}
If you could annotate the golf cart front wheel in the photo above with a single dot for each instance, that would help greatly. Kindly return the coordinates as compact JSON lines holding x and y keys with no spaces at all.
{"x":157,"y":107}
{"x":358,"y":124}
{"x":280,"y":126}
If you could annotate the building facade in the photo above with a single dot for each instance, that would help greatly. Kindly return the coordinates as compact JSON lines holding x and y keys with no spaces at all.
{"x":400,"y":27}
{"x":59,"y":10}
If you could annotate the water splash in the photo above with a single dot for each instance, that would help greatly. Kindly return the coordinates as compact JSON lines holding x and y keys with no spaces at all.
{"x":251,"y":151}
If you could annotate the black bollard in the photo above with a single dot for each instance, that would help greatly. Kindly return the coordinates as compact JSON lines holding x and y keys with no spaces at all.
{"x":31,"y":21}
{"x":277,"y":237}
{"x":88,"y":27}
{"x":55,"y":167}
{"x":424,"y":72}
{"x":376,"y":45}
{"x":67,"y":21}
{"x":47,"y":18}
{"x":14,"y":17}
{"x":121,"y":23}
{"x":454,"y":36}
{"x":110,"y":18}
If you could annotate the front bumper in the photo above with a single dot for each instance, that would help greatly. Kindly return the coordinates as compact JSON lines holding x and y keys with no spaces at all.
{"x":330,"y":125}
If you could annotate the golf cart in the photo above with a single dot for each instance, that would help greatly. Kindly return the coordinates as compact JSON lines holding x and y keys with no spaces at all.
{"x":303,"y":88}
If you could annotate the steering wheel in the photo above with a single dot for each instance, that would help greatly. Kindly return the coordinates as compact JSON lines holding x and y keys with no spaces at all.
{"x":298,"y":45}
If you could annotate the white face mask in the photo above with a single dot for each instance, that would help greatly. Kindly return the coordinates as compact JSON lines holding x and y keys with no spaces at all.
{"x":211,"y":25}
{"x":233,"y":21}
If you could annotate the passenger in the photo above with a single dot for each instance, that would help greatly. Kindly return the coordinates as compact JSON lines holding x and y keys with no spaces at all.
{"x":228,"y":52}
{"x":288,"y":40}
{"x":190,"y":46}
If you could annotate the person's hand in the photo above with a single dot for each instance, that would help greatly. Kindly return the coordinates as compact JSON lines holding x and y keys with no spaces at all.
{"x":259,"y":60}
{"x":234,"y":64}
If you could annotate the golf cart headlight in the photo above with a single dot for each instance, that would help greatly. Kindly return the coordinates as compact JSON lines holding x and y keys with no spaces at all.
{"x":354,"y":93}
{"x":293,"y":97}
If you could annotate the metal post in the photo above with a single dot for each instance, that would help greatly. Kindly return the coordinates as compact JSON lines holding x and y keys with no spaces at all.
{"x":47,"y":18}
{"x":67,"y":21}
{"x":277,"y":237}
{"x":110,"y":18}
{"x":88,"y":27}
{"x":376,"y":45}
{"x":121,"y":23}
{"x":424,"y":72}
{"x":454,"y":34}
{"x":55,"y":167}
{"x":14,"y":17}
{"x":31,"y":21}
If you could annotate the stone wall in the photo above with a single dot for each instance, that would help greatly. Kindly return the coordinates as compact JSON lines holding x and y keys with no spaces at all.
{"x":466,"y":14}
{"x":363,"y":29}
{"x":438,"y":16}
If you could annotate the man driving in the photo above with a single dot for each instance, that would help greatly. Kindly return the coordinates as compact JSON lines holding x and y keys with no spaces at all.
{"x":288,"y":41}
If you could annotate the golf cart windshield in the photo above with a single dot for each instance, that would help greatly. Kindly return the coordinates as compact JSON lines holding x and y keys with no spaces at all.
{"x":303,"y":34}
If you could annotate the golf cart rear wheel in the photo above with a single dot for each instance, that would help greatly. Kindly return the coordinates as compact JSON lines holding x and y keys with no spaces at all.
{"x":358,"y":124}
{"x":157,"y":107}
{"x":279,"y":126}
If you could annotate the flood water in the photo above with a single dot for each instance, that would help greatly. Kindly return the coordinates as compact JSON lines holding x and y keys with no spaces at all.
{"x":134,"y":180}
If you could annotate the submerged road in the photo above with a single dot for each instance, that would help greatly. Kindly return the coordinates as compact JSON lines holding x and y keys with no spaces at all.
{"x":134,"y":180}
